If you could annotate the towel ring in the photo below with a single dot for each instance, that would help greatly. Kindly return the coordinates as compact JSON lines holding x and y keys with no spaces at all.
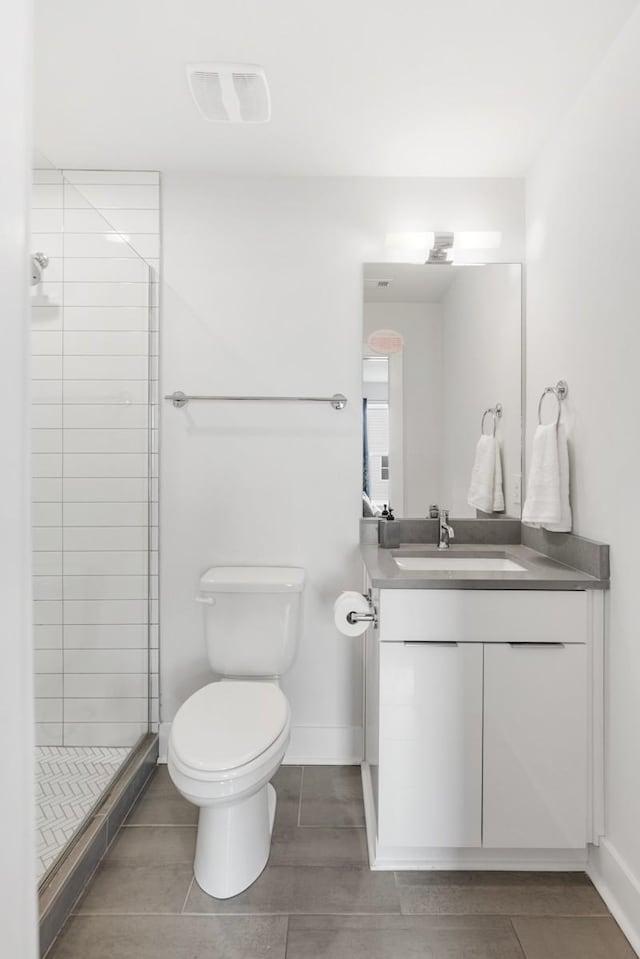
{"x":496,"y":412}
{"x":560,"y":391}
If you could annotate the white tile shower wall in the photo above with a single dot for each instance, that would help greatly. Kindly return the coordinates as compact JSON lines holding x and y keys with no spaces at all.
{"x":91,"y":337}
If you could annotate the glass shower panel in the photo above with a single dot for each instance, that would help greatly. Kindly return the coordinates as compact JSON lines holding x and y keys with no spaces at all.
{"x":94,"y":322}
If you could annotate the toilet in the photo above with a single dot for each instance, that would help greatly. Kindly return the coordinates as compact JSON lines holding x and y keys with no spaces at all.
{"x":229,"y":738}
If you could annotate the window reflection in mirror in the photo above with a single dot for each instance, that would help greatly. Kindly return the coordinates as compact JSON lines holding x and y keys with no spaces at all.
{"x":422,"y":406}
{"x":375,"y":440}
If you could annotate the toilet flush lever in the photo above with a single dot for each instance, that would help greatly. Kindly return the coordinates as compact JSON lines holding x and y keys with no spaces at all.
{"x":207,"y":600}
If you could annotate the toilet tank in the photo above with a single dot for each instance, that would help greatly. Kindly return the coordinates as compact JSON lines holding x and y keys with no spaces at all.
{"x":253,"y":618}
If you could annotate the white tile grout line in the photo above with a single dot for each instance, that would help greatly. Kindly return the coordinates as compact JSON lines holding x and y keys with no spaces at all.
{"x":258,"y":915}
{"x":300,"y":796}
{"x":158,"y":825}
{"x":186,"y":898}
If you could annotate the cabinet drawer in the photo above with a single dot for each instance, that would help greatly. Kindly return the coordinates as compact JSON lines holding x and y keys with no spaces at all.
{"x":483,"y":616}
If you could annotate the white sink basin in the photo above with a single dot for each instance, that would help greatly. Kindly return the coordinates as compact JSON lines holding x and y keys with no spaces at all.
{"x":459,"y":564}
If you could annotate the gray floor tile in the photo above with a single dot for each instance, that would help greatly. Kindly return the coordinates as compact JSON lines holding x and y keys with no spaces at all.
{"x":318,"y":846}
{"x":572,"y":939}
{"x":499,"y":894}
{"x":172,"y":937}
{"x":286,"y":783}
{"x":118,"y":887}
{"x":152,"y":845}
{"x":318,"y":873}
{"x":399,"y":937}
{"x":160,"y":784}
{"x":332,"y":796}
{"x":299,"y":889}
{"x":163,"y":811}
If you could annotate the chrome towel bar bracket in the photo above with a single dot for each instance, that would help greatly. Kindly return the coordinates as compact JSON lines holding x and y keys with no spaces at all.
{"x":496,"y":412}
{"x":560,"y":391}
{"x":179,"y":399}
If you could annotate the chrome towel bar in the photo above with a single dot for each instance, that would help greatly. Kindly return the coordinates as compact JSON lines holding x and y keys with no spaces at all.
{"x":180,"y":399}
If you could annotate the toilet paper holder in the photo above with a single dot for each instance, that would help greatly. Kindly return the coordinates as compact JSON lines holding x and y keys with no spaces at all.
{"x":371,"y":617}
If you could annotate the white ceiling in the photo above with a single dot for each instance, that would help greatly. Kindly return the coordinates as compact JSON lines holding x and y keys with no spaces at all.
{"x":409,"y":282}
{"x":359,"y":87}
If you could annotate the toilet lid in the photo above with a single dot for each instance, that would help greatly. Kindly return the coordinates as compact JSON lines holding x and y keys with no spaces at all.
{"x":227,"y":724}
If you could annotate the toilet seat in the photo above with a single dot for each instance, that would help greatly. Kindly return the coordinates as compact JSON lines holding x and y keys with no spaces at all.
{"x":226,"y":727}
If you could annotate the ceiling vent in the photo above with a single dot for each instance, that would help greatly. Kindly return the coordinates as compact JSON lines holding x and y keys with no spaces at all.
{"x":230,"y":92}
{"x":378,"y":284}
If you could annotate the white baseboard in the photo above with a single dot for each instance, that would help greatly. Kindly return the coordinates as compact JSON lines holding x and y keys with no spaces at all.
{"x":309,"y":746}
{"x":619,"y":888}
{"x":324,"y":746}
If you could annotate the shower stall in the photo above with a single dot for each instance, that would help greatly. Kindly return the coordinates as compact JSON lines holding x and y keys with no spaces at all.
{"x":95,"y":271}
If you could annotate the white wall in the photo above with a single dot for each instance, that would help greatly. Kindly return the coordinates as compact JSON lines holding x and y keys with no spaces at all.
{"x":583,"y":308}
{"x":263,"y":293}
{"x":17,"y":814}
{"x":421,"y":326}
{"x":481,"y":358}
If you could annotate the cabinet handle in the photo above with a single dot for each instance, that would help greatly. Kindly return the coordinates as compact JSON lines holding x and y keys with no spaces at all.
{"x":537,"y":645}
{"x":425,"y":642}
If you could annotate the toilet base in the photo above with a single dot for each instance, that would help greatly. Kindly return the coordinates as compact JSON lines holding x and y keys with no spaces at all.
{"x":233,"y":843}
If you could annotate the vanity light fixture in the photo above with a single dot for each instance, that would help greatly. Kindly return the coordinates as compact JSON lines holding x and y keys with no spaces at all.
{"x":442,"y":246}
{"x":438,"y":247}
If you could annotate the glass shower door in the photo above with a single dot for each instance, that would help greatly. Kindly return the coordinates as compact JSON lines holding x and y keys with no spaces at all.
{"x":94,"y":336}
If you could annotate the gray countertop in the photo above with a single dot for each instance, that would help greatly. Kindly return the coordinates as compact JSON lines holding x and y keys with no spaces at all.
{"x":541,"y":572}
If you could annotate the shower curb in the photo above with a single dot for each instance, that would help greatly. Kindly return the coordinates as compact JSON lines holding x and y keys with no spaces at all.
{"x":63,"y":887}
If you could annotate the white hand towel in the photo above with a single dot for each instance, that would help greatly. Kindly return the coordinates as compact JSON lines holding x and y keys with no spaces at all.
{"x":565,"y":522}
{"x":547,"y":504}
{"x":485,"y":490}
{"x":498,"y":492}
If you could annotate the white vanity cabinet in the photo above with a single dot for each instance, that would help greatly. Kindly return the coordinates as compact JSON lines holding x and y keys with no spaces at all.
{"x":431,"y":744}
{"x":483,"y":742}
{"x":535,"y":746}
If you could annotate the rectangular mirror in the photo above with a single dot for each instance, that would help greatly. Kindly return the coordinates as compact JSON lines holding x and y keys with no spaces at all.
{"x":442,"y":362}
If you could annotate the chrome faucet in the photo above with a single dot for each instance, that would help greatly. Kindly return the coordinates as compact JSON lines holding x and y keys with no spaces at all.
{"x":445,"y":533}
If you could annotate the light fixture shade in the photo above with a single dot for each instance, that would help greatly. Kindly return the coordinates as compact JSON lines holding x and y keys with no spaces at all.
{"x":385,"y":342}
{"x":476,"y":240}
{"x":408,"y":247}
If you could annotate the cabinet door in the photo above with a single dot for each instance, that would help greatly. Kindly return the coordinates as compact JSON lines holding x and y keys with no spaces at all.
{"x":535,"y":746}
{"x":430,"y":788}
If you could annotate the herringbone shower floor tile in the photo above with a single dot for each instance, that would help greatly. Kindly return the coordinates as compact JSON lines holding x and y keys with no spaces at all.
{"x":69,"y":780}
